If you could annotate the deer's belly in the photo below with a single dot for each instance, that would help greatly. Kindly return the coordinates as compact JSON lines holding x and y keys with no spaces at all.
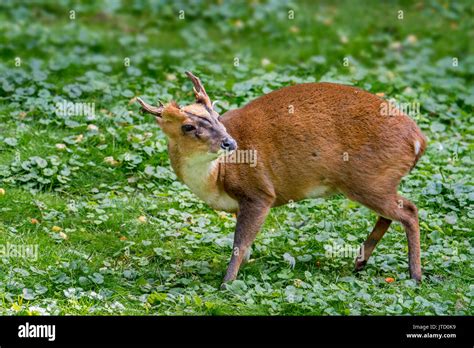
{"x":319,"y":191}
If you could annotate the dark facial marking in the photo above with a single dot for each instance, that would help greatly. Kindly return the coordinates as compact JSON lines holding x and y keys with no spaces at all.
{"x":190,"y":114}
{"x":203,"y":121}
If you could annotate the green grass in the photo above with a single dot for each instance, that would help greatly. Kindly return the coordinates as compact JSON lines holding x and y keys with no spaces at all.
{"x":132,"y":240}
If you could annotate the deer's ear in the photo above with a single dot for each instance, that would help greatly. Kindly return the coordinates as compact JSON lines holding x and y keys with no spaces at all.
{"x":199,"y":91}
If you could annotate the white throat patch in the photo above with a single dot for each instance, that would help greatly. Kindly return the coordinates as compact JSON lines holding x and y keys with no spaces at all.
{"x":200,"y":175}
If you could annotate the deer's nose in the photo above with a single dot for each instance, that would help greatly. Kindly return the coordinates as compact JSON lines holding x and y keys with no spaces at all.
{"x":228,"y":144}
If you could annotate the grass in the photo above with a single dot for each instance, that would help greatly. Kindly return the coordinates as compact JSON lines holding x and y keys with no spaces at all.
{"x":117,"y":234}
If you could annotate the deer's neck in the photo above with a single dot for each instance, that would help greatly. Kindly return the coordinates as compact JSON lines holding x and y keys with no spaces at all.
{"x":200,"y":172}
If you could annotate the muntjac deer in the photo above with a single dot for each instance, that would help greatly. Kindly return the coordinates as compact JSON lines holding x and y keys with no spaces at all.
{"x":311,"y":140}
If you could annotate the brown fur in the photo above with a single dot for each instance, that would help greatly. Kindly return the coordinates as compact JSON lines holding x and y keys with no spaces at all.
{"x":336,"y":139}
{"x":306,"y":149}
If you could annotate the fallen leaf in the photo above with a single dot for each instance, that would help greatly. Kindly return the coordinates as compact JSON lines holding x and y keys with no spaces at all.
{"x":111,"y":161}
{"x":294,"y":29}
{"x":92,"y":128}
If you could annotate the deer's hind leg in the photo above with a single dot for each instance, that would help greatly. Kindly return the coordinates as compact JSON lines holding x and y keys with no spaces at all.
{"x":391,"y":206}
{"x":374,"y":237}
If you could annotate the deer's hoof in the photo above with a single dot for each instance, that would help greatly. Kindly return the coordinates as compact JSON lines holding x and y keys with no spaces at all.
{"x":359,"y":265}
{"x":417,"y":277}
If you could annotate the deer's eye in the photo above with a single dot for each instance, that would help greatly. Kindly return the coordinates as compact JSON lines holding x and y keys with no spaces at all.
{"x":188,"y":128}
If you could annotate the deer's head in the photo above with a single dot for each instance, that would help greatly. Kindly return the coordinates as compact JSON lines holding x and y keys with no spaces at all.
{"x":195,"y":128}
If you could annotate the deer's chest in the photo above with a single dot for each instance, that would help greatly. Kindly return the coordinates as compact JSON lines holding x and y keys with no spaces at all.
{"x":201,"y":178}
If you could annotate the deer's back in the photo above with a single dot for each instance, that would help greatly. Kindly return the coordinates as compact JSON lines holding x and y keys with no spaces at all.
{"x":314,"y":139}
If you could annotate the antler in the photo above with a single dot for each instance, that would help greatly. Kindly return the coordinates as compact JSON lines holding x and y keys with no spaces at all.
{"x":199,"y":91}
{"x":154,"y":110}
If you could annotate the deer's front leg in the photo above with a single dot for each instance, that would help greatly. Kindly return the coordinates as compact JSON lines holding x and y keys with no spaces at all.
{"x":250,"y":218}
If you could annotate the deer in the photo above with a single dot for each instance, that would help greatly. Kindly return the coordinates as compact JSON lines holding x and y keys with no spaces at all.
{"x":312,"y":140}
